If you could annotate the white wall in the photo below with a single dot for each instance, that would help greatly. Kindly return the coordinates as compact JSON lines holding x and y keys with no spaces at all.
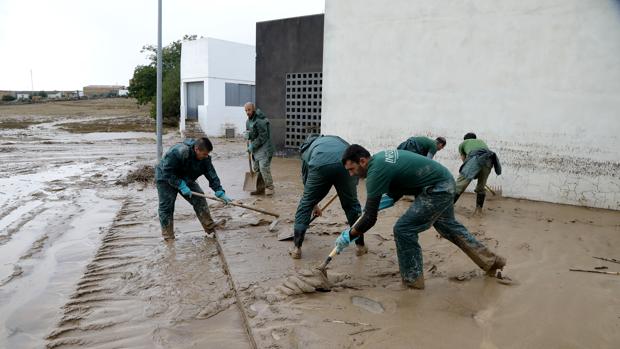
{"x":539,"y":80}
{"x":216,"y":62}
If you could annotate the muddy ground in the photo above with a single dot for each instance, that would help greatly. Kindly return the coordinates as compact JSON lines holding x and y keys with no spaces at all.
{"x":82,"y":264}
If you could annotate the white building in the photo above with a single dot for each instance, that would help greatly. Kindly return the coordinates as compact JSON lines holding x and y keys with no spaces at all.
{"x":123,"y":93}
{"x":55,"y":95}
{"x":22,"y":96}
{"x":217,"y":79}
{"x":539,"y":80}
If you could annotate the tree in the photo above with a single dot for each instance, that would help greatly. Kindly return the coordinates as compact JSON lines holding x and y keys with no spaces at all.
{"x":7,"y":98}
{"x":144,"y":82}
{"x":42,"y":94}
{"x":143,"y":85}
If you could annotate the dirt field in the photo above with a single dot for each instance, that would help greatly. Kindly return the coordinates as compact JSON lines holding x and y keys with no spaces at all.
{"x":82,"y":263}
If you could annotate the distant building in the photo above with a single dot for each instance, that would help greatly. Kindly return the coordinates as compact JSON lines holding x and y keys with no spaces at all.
{"x":55,"y":95}
{"x":217,"y":79}
{"x":102,"y":90}
{"x":22,"y":95}
{"x":123,"y":93}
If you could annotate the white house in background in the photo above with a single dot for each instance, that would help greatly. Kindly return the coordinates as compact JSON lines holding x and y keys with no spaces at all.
{"x":21,"y":95}
{"x":54,"y":95}
{"x":123,"y":93}
{"x":539,"y":80}
{"x":217,"y":79}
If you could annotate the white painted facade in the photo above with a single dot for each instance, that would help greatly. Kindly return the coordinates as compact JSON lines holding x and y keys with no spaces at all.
{"x":216,"y":62}
{"x":22,"y":96}
{"x":539,"y":80}
{"x":123,"y":93}
{"x":54,"y":95}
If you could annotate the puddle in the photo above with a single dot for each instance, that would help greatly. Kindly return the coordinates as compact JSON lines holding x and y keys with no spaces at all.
{"x":367,"y":304}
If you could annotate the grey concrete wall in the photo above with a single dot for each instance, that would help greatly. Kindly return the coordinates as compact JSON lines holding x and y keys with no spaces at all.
{"x":284,"y":46}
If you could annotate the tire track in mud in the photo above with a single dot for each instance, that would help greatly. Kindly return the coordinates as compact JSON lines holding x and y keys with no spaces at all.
{"x":140,"y":292}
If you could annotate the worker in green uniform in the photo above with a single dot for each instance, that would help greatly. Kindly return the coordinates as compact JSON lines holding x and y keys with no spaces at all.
{"x":478,"y":161}
{"x":393,"y":173}
{"x":176,"y":173}
{"x":258,"y":133}
{"x":321,"y":168}
{"x":423,"y":145}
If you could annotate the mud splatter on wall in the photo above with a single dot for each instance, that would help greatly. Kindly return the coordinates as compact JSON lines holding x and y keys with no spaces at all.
{"x":537,"y":80}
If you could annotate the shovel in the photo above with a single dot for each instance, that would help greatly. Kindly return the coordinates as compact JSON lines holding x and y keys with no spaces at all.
{"x":275,"y":215}
{"x":250,"y":183}
{"x":288,"y":235}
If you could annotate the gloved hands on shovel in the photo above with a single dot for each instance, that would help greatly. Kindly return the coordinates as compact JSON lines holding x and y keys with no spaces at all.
{"x":184,"y":189}
{"x":344,"y":240}
{"x":222,"y":196}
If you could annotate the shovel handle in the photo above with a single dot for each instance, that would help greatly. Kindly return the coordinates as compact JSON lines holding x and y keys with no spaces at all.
{"x":325,"y":206}
{"x":491,"y":190}
{"x":238,"y":205}
{"x":250,"y":163}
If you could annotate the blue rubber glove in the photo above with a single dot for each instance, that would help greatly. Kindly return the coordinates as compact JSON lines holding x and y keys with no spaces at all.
{"x":222,"y":195}
{"x":250,"y":148}
{"x":246,"y":135}
{"x":386,"y":202}
{"x":184,"y":189}
{"x":344,"y":240}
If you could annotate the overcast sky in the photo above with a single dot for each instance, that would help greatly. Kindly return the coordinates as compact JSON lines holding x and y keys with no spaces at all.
{"x":69,"y":44}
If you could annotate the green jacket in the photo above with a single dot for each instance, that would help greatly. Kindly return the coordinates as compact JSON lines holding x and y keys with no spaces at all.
{"x":259,"y":133}
{"x":180,"y":163}
{"x":420,"y":145}
{"x":319,"y":151}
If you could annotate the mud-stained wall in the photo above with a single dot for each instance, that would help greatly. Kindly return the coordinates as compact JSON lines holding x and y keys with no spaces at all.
{"x":539,"y":80}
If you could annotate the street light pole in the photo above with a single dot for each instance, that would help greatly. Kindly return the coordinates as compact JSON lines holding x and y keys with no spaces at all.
{"x":159,"y":84}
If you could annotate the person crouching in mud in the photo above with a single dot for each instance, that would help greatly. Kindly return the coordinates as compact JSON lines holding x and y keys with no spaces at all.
{"x":176,"y":173}
{"x":393,"y":173}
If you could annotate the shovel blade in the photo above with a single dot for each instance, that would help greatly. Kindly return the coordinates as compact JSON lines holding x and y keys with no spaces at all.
{"x":249,"y":183}
{"x":285,"y":235}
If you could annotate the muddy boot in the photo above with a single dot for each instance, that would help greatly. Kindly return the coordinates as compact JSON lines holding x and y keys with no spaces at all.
{"x":482,"y":256}
{"x":298,"y":240}
{"x":208,"y":224}
{"x":499,"y":264}
{"x":168,"y":232}
{"x":479,"y":203}
{"x":418,"y":284}
{"x":295,"y":252}
{"x":269,"y":191}
{"x":361,"y":250}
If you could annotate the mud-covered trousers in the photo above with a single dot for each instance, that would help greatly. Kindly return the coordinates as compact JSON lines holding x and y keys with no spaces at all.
{"x":168,"y":195}
{"x":262,"y":165}
{"x":434,"y":207}
{"x":319,"y":182}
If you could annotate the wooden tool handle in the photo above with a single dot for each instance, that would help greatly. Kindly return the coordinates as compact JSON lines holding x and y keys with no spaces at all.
{"x":325,"y":206}
{"x":238,"y":205}
{"x":491,"y":190}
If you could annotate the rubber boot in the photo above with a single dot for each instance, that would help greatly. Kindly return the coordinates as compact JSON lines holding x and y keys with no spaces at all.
{"x":168,"y":232}
{"x":482,"y":256}
{"x":479,"y":203}
{"x":269,"y":191}
{"x":418,"y":284}
{"x":361,"y":250}
{"x":298,"y":239}
{"x":207,"y":222}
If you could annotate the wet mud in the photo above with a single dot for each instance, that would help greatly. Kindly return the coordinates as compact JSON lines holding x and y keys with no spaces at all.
{"x":83,"y":264}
